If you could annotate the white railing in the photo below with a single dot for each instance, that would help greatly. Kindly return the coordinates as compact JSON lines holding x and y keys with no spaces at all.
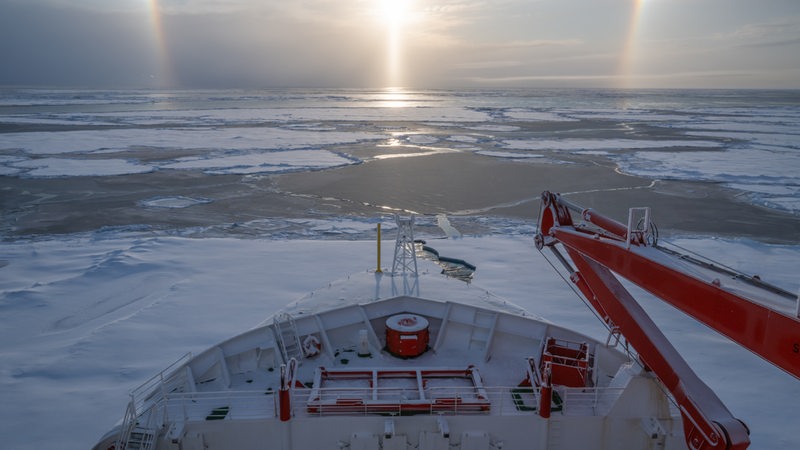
{"x":456,"y":401}
{"x":233,"y":405}
{"x":128,"y":423}
{"x":498,"y":401}
{"x":392,"y":400}
{"x":160,"y":382}
{"x":587,"y":402}
{"x":641,"y":229}
{"x":145,"y":401}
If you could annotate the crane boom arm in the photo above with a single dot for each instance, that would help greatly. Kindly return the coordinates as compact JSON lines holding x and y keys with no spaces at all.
{"x":764,"y":331}
{"x":707,"y":422}
{"x":610,"y":247}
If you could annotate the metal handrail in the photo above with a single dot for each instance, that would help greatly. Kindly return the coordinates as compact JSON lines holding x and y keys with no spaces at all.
{"x":128,"y":423}
{"x":140,"y":394}
{"x":574,"y":401}
{"x":243,"y":405}
{"x":219,"y":405}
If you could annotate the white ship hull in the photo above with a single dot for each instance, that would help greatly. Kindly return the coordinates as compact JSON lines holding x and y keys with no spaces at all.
{"x":474,"y":386}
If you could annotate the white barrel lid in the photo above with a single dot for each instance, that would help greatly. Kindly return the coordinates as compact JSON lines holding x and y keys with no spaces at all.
{"x":407,"y":322}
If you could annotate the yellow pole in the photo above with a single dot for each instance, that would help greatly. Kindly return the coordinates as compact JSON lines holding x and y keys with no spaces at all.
{"x":378,"y":270}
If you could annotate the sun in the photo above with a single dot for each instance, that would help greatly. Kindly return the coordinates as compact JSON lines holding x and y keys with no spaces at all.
{"x":395,"y":19}
{"x":393,"y":12}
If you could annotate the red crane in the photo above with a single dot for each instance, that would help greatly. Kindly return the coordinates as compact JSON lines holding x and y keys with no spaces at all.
{"x":760,"y":317}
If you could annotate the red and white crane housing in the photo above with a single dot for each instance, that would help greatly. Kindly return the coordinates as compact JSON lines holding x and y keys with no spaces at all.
{"x":756,"y":315}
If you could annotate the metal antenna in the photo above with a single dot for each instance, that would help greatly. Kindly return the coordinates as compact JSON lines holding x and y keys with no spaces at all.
{"x":405,"y":257}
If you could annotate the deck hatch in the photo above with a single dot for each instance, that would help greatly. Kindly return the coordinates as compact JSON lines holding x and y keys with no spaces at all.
{"x":397,"y":391}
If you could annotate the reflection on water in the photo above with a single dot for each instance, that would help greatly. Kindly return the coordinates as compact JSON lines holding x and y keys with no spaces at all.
{"x":424,"y":151}
{"x":394,"y":97}
{"x":399,"y":139}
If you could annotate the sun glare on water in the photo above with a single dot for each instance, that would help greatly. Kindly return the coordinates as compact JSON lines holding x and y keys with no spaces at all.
{"x":393,"y":97}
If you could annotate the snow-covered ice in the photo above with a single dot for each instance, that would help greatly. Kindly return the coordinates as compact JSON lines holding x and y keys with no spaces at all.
{"x":64,"y":167}
{"x":86,"y":318}
{"x":230,"y":138}
{"x":602,"y":144}
{"x":174,"y":202}
{"x":259,"y":162}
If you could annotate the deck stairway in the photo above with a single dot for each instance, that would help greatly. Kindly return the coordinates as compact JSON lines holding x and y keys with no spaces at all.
{"x":140,"y":439}
{"x":483,"y":325}
{"x":289,"y":341}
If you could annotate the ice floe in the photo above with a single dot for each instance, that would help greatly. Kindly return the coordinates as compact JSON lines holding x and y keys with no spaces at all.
{"x":174,"y":202}
{"x":255,"y":162}
{"x":64,"y":167}
{"x":231,"y":138}
{"x":602,"y":144}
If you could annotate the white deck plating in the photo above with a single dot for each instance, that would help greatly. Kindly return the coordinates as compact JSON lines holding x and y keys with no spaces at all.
{"x":470,"y":390}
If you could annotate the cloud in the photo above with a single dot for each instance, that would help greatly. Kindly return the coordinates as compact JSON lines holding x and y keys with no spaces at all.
{"x":685,"y":79}
{"x":537,"y":43}
{"x":487,"y":65}
{"x":331,"y":43}
{"x":777,"y":33}
{"x":40,"y":44}
{"x":776,"y":43}
{"x":212,"y":46}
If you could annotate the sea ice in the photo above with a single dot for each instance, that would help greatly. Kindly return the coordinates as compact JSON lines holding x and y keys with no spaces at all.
{"x":734,"y":166}
{"x":201,"y":138}
{"x":601,"y":144}
{"x":88,"y":317}
{"x":63,"y":167}
{"x":174,"y":202}
{"x":509,"y":155}
{"x":262,"y":161}
{"x":537,"y":116}
{"x":421,"y":139}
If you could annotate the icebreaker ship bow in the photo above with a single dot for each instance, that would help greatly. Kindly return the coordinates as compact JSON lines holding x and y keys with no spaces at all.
{"x":417,"y":360}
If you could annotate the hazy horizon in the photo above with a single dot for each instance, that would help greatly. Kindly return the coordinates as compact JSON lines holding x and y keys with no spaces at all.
{"x":453,"y":44}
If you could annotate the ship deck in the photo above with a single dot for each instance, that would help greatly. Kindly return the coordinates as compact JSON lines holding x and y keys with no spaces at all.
{"x":334,"y":356}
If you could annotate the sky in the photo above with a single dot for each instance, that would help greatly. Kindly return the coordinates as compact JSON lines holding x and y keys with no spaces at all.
{"x":404,"y":43}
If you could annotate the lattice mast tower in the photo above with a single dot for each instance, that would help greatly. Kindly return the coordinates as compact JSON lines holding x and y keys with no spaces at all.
{"x":405,"y":256}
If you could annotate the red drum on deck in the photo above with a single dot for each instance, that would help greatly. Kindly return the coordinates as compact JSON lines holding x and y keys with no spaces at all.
{"x":406,"y":335}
